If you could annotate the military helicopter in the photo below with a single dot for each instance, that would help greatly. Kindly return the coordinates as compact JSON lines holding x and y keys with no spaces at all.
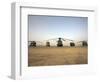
{"x":83,"y":43}
{"x":48,"y":44}
{"x":34,"y":43}
{"x":60,"y":42}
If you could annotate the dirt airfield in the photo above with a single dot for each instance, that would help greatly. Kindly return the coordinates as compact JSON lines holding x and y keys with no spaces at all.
{"x":47,"y":56}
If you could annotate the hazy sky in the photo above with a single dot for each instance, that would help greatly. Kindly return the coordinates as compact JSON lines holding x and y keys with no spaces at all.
{"x":48,"y":27}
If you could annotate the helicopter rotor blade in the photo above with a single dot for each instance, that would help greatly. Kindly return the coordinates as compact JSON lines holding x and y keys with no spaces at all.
{"x":67,"y":39}
{"x":63,"y":39}
{"x":53,"y":39}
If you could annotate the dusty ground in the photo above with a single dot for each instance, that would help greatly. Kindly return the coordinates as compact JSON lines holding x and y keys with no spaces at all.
{"x":44,"y":56}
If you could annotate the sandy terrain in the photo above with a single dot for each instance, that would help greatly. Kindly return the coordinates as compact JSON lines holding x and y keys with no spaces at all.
{"x":44,"y":56}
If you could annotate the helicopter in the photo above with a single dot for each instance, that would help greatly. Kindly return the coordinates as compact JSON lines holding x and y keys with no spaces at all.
{"x":48,"y":44}
{"x":60,"y":42}
{"x":34,"y":43}
{"x":83,"y":43}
